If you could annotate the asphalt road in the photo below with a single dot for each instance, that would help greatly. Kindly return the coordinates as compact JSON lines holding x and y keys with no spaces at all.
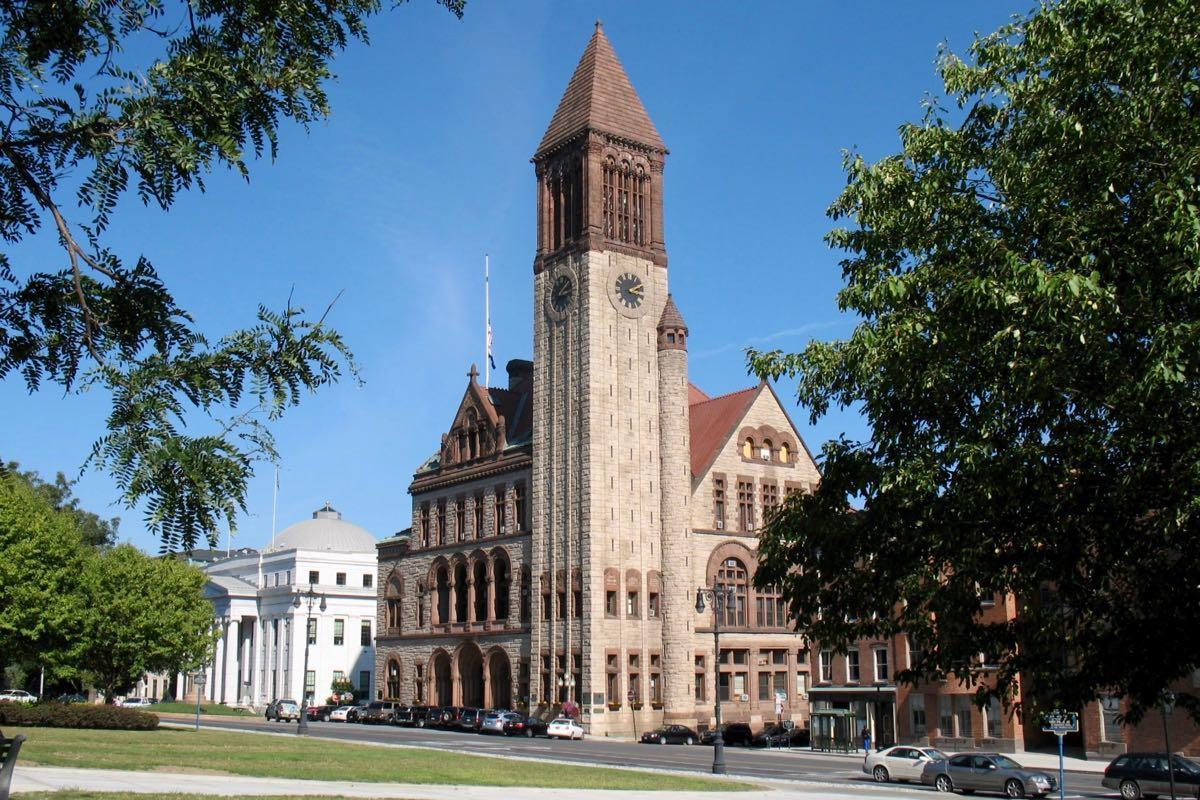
{"x":794,"y":765}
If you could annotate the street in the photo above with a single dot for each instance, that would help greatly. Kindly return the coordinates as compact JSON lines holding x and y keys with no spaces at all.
{"x":842,"y":772}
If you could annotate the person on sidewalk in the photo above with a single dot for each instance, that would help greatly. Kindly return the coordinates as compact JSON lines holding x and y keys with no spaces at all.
{"x":866,"y":740}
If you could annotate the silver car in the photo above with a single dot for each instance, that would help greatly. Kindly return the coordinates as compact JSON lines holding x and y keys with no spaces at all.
{"x":494,"y":721}
{"x":987,"y":772}
{"x":901,"y":763}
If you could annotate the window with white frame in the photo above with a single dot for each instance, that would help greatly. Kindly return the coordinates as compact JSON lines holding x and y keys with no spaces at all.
{"x":826,"y":663}
{"x":882,"y":672}
{"x":853,"y":674}
{"x":339,"y":631}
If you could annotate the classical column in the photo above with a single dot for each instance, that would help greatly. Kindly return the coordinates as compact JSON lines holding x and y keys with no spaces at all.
{"x":491,"y":592}
{"x":452,"y":611}
{"x":471,"y":595}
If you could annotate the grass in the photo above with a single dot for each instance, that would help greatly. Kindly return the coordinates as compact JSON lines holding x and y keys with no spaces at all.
{"x":173,"y":707}
{"x":321,"y":759}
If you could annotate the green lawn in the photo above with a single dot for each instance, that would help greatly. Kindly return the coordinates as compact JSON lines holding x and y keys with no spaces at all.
{"x":173,"y":707}
{"x":322,"y":759}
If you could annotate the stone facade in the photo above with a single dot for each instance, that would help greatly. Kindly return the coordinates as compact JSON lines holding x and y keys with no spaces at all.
{"x":621,"y":457}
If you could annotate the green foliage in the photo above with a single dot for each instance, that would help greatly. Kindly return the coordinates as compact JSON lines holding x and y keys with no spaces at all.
{"x":103,"y":98}
{"x":1026,"y":273}
{"x":96,"y":531}
{"x":41,"y":557}
{"x":138,"y":614}
{"x":76,"y":715}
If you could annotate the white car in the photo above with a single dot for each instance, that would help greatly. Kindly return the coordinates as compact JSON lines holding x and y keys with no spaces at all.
{"x":339,"y":713}
{"x":900,"y":763}
{"x":17,"y":696}
{"x":136,"y":702}
{"x":564,"y":728}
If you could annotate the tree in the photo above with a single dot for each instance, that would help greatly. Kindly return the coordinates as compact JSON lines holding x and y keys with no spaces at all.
{"x":138,"y":614}
{"x":40,"y":560}
{"x":95,"y":530}
{"x":1027,"y":275}
{"x":83,"y":115}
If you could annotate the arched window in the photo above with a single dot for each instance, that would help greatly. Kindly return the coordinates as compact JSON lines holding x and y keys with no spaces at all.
{"x":748,"y":448}
{"x":732,"y":575}
{"x":395,"y":591}
{"x":765,"y":451}
{"x":393,"y":679}
{"x":503,"y":581}
{"x":441,"y":614}
{"x":784,"y":454}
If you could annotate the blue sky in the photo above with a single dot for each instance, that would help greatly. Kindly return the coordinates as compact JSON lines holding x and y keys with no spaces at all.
{"x":423,"y":167}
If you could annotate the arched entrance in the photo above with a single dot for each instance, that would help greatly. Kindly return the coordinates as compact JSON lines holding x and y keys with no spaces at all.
{"x":443,"y":680}
{"x":500,"y":679}
{"x":470,"y":675}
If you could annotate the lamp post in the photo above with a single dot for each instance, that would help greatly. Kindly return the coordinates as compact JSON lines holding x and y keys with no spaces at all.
{"x":720,"y":597}
{"x":310,"y":597}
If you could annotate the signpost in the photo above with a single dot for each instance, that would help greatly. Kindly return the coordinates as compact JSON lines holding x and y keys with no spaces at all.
{"x":200,"y":680}
{"x":1060,"y":723}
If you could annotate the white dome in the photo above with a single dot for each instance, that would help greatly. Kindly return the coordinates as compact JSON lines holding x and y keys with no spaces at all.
{"x":326,"y":531}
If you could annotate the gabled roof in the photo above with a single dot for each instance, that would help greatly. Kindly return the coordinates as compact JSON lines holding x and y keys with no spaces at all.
{"x":600,"y":96}
{"x":696,"y":394}
{"x":229,"y":585}
{"x":713,"y":421}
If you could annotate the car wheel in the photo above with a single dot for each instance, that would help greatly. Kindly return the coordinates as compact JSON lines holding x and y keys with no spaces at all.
{"x":325,"y":718}
{"x":1130,"y":790}
{"x":944,"y":784}
{"x":529,"y":733}
{"x":1014,"y":788}
{"x":880,"y":774}
{"x":662,"y":740}
{"x":689,"y":741}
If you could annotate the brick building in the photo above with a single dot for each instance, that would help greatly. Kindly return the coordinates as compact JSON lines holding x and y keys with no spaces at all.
{"x":563,"y":527}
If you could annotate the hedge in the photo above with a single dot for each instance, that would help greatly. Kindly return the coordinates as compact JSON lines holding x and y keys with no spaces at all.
{"x":76,"y":715}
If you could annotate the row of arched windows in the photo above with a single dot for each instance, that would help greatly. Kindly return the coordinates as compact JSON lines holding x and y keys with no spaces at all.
{"x":764,"y":450}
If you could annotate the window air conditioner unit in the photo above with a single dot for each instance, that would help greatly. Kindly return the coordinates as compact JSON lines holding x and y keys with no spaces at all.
{"x":745,"y":698}
{"x":503,"y":528}
{"x":720,"y":524}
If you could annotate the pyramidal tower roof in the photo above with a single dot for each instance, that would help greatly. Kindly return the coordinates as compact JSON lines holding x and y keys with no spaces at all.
{"x":671,"y":318}
{"x":600,"y":96}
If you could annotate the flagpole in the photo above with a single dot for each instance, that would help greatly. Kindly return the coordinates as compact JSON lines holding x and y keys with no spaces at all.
{"x":487,"y":321}
{"x":274,"y":505}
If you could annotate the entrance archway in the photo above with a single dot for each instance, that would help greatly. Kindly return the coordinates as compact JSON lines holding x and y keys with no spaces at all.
{"x":443,"y":680}
{"x":500,"y":679}
{"x":470,"y":675}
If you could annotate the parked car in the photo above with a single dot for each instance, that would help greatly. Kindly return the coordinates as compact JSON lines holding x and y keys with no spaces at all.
{"x":564,"y":728}
{"x":136,"y":702}
{"x":466,"y":720}
{"x":356,"y":709}
{"x":283,"y":711}
{"x":379,"y":712}
{"x":17,"y":696}
{"x":494,"y":722}
{"x":734,"y":734}
{"x":450,"y":715}
{"x":781,"y":736}
{"x":340,"y":713}
{"x":1137,"y":775}
{"x":525,"y":726}
{"x":402,"y":715}
{"x":321,"y":713}
{"x":987,"y":772}
{"x":671,"y":734}
{"x":900,"y":763}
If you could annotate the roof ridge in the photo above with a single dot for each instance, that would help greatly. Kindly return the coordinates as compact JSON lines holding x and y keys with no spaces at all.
{"x":728,"y":394}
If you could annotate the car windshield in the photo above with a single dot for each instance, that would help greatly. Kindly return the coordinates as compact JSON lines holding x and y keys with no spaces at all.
{"x":1187,"y":764}
{"x":562,"y":721}
{"x":1004,"y":762}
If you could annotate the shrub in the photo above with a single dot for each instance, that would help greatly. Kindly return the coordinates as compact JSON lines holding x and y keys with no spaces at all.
{"x":76,"y":715}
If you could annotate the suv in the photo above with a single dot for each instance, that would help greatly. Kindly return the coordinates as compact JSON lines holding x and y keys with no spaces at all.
{"x":379,"y":712}
{"x":733,"y":734}
{"x":468,"y":718}
{"x":283,"y":711}
{"x":1138,"y":774}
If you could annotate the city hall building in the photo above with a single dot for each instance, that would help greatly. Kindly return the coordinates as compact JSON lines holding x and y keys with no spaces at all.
{"x":562,"y":528}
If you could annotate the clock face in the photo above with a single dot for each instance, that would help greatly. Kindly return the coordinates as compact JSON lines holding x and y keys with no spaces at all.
{"x":630,"y":290}
{"x":561,"y":293}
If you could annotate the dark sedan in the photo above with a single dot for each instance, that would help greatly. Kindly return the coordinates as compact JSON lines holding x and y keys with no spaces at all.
{"x":735,"y":734}
{"x":1137,"y":775}
{"x":321,"y":713}
{"x":780,"y":736}
{"x":525,"y":726}
{"x":671,"y":734}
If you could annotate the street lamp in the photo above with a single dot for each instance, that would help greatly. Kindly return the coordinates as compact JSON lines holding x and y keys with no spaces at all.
{"x":310,"y":597}
{"x":721,"y":597}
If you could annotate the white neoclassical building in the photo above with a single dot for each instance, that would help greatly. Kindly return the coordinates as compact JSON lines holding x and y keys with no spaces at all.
{"x":260,"y":655}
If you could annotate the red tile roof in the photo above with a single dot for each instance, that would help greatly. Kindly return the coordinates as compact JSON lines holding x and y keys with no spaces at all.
{"x":712,"y":421}
{"x":696,"y":394}
{"x":600,"y":96}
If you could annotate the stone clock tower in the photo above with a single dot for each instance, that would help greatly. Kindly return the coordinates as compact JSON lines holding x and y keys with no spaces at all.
{"x":600,"y":605}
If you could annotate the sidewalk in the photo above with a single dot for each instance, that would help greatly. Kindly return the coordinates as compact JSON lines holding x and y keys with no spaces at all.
{"x":49,"y":779}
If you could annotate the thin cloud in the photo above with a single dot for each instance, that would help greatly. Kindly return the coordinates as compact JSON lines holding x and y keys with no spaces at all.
{"x":786,"y":333}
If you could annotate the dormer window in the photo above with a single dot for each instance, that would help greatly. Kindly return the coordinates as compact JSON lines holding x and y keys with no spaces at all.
{"x":765,"y":451}
{"x":748,"y":448}
{"x":784,"y":455}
